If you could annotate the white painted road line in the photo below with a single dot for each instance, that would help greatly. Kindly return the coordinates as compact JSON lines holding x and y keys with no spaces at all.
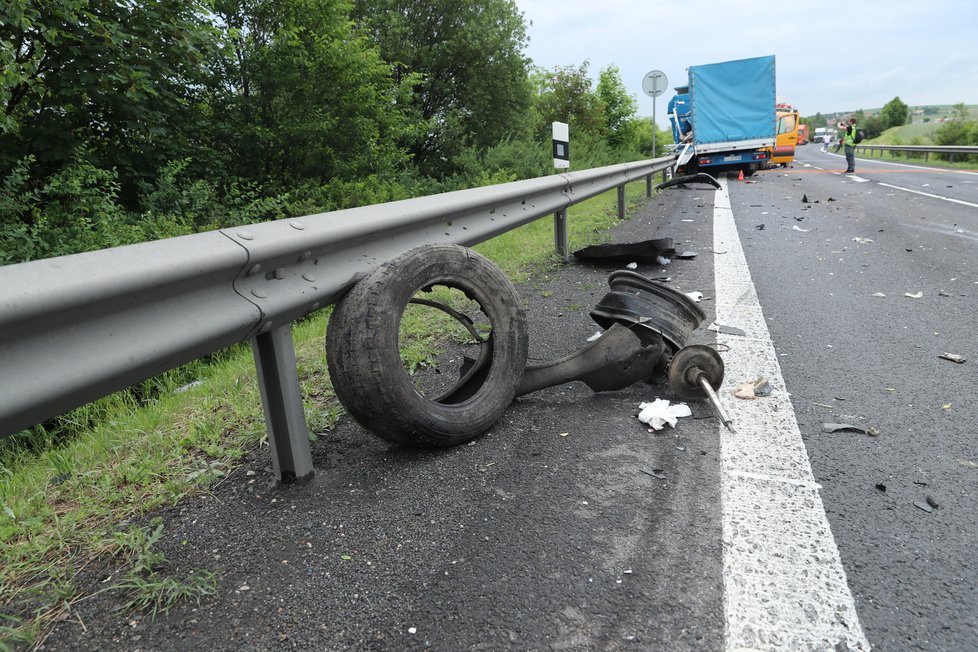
{"x":784,"y":585}
{"x":928,"y":194}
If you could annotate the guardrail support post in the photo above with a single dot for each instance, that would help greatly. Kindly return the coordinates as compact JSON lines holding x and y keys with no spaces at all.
{"x":621,"y":202}
{"x":278,"y":378}
{"x":560,"y":235}
{"x":648,"y":186}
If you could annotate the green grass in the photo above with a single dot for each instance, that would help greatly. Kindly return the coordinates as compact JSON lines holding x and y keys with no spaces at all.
{"x":924,"y":132}
{"x":64,"y":495}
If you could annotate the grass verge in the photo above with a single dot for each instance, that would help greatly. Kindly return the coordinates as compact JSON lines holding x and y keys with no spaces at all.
{"x":66,"y":502}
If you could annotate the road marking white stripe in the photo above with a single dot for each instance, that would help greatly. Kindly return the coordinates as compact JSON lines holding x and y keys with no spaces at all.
{"x":784,"y":585}
{"x":929,"y":194}
{"x":906,"y":165}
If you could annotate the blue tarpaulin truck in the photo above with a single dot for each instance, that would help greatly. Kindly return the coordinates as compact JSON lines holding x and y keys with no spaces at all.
{"x":725,"y":118}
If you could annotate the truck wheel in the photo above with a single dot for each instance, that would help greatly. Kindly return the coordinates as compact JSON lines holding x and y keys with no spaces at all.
{"x":364,"y":357}
{"x":749,"y":170}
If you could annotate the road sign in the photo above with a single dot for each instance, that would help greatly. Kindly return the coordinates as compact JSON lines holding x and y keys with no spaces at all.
{"x":655,"y":82}
{"x":561,"y":145}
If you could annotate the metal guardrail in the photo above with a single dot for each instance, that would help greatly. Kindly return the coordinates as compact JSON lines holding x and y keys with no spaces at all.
{"x":926,"y":150}
{"x":76,"y":328}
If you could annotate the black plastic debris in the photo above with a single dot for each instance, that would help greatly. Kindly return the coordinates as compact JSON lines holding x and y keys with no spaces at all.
{"x":647,"y":251}
{"x":759,"y":227}
{"x":655,"y":473}
{"x":881,"y":487}
{"x":932,"y":502}
{"x":804,"y":199}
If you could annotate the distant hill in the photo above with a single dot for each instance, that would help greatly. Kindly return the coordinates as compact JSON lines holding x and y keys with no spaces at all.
{"x":922,"y":113}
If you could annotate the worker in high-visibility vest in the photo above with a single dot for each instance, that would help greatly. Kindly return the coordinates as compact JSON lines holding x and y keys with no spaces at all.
{"x":849,"y":140}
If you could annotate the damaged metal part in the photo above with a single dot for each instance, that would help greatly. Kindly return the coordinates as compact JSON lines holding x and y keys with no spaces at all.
{"x":696,"y":372}
{"x":635,"y":300}
{"x":689,"y":178}
{"x":616,"y":360}
{"x":646,"y":327}
{"x":646,"y":323}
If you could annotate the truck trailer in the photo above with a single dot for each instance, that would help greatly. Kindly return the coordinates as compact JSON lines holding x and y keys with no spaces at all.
{"x":724,"y":119}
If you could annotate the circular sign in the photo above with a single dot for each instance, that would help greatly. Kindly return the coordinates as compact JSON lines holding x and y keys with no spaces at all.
{"x":654,"y":83}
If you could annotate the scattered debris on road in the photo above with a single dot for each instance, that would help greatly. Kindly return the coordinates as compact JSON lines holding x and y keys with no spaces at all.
{"x":646,"y":251}
{"x":744,"y":391}
{"x":655,"y":473}
{"x":680,"y":182}
{"x":915,"y":295}
{"x":881,"y":487}
{"x":659,"y":412}
{"x":923,"y":506}
{"x":872,"y":431}
{"x":726,"y":330}
{"x":879,"y":295}
{"x":859,"y":240}
{"x":754,"y":389}
{"x":953,"y":357}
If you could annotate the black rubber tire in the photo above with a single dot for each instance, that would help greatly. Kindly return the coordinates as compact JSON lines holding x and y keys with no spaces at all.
{"x":364,"y":360}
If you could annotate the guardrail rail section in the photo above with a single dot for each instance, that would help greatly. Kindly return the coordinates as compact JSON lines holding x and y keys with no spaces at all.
{"x":926,"y":150}
{"x":76,"y":328}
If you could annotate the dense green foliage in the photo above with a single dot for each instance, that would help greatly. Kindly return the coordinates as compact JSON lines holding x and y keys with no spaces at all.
{"x":128,"y":120}
{"x":959,"y":130}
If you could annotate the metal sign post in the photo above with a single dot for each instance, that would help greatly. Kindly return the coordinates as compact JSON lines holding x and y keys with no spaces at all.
{"x":654,"y":84}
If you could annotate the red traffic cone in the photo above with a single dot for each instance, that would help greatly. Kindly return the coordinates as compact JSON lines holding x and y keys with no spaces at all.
{"x":740,"y":177}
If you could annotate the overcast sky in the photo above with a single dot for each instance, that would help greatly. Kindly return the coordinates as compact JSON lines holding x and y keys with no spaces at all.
{"x":831,"y":56}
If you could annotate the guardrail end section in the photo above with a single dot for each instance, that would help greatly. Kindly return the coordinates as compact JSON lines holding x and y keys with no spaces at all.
{"x":278,"y":378}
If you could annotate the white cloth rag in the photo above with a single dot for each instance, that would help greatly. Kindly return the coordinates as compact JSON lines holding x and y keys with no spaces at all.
{"x":658,"y":413}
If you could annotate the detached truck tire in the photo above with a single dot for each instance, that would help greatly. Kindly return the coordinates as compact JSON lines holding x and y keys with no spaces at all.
{"x":363,"y":356}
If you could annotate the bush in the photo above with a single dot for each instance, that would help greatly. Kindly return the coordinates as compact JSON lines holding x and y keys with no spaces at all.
{"x":75,"y":210}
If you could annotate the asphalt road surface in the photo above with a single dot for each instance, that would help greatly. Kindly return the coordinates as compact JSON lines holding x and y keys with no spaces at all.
{"x":570,"y":526}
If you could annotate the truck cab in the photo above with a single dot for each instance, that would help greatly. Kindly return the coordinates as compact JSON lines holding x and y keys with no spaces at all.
{"x":788,"y":135}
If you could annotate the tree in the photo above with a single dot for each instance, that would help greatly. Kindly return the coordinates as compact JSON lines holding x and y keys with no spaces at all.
{"x":618,"y":106}
{"x":299,"y":95}
{"x":959,"y":112}
{"x":956,"y":130}
{"x":564,"y":94}
{"x":465,"y":62}
{"x":115,"y":79}
{"x":894,"y":114}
